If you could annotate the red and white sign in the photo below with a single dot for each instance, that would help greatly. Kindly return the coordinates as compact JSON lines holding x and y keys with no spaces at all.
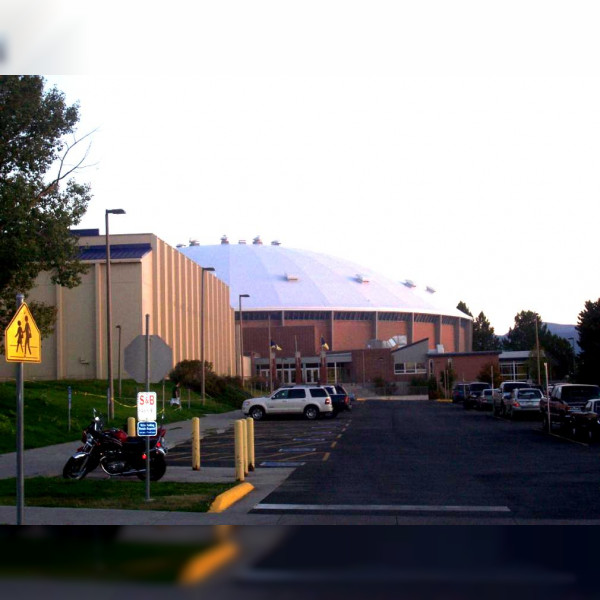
{"x":146,"y":406}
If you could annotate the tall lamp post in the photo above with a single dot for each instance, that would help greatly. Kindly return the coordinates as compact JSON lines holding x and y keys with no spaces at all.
{"x":202,"y":331}
{"x":111,"y":390}
{"x":242,"y":337}
{"x":119,"y":360}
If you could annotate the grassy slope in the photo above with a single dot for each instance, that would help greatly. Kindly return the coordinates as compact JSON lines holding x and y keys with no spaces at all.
{"x":46,"y":409}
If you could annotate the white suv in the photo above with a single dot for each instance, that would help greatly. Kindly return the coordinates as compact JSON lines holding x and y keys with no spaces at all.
{"x":309,"y":400}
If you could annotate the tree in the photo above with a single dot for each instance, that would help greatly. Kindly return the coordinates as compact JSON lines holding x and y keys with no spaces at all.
{"x":39,"y":200}
{"x":485,"y":374}
{"x":557,"y":350}
{"x":588,"y":328}
{"x":522,"y":336}
{"x":464,"y":308}
{"x":484,"y":337}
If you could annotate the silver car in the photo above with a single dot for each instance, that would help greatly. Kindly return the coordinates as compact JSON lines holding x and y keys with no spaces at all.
{"x":523,"y":401}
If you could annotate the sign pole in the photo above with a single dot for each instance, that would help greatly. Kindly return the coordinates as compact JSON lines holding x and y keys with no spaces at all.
{"x":20,"y":434}
{"x":147,"y":389}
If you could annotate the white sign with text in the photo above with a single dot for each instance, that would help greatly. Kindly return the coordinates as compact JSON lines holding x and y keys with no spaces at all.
{"x":146,"y":406}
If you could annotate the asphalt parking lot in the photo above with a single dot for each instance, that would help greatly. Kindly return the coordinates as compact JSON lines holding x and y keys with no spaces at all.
{"x":278,"y":442}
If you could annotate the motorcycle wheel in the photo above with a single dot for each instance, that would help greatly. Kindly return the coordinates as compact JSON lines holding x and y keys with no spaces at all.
{"x":76,"y":468}
{"x":158,"y":467}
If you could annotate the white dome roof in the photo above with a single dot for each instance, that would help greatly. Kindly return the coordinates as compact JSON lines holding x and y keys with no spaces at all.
{"x":278,"y":278}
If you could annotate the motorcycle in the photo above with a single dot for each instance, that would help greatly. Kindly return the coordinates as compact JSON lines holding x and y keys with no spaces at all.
{"x":116,"y":453}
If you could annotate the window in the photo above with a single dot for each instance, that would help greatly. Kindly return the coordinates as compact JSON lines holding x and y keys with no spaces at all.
{"x":318,"y":393}
{"x":280,"y":394}
{"x":409,"y":367}
{"x":297,"y":393}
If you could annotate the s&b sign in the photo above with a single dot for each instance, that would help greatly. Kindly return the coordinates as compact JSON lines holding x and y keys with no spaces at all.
{"x":146,"y":406}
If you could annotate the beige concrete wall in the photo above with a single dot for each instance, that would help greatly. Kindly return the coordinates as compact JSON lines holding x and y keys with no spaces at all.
{"x":164,"y":284}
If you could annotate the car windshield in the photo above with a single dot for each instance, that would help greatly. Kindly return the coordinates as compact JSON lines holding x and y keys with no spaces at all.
{"x":530,"y":394}
{"x":509,"y":387}
{"x":477,"y":387}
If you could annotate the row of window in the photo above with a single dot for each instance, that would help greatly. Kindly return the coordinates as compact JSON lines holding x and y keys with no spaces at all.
{"x":409,"y":368}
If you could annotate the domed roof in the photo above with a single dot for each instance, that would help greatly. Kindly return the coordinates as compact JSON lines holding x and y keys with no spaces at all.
{"x":277,"y":278}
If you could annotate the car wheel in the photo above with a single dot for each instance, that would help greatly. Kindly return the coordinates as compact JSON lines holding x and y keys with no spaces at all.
{"x":311,"y":412}
{"x":257,"y":413}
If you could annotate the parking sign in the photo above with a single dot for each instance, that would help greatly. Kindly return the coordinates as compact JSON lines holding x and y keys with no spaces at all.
{"x":146,"y":406}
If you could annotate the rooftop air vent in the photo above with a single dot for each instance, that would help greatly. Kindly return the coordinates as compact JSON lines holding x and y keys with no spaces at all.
{"x":362,"y":278}
{"x":243,"y":242}
{"x":291,"y":277}
{"x":194,"y":243}
{"x":257,"y":241}
{"x":409,"y":283}
{"x":430,"y":289}
{"x":180,"y":245}
{"x":275,"y":243}
{"x":224,"y":239}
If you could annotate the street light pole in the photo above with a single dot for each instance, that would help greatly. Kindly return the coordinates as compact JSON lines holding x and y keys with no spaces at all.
{"x":202,"y":331}
{"x":111,"y":390}
{"x":242,"y":337}
{"x":119,"y":360}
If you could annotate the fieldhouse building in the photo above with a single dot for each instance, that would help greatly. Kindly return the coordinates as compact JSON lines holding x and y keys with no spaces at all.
{"x":301,"y":303}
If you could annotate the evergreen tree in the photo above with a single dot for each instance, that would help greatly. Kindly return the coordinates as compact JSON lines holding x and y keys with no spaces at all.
{"x":588,"y":327}
{"x":464,"y":308}
{"x":484,"y":337}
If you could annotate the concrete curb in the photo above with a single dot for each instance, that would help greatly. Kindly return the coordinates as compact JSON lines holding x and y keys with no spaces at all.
{"x":226,"y":499}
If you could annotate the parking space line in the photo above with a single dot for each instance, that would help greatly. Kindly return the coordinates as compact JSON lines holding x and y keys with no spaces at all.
{"x":333,"y":444}
{"x":326,"y":457}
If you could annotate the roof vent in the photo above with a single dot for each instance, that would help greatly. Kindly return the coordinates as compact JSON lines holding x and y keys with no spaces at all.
{"x":224,"y":239}
{"x":194,"y":243}
{"x":180,"y":246}
{"x":430,"y":289}
{"x":275,"y":243}
{"x":243,"y":242}
{"x":257,"y":241}
{"x":362,"y":278}
{"x":409,"y":283}
{"x":291,"y":277}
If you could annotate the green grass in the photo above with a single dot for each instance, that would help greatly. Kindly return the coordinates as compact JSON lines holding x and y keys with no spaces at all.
{"x":46,"y":409}
{"x":127,"y":494}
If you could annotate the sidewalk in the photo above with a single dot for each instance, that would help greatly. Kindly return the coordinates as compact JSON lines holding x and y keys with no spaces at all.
{"x":49,"y":461}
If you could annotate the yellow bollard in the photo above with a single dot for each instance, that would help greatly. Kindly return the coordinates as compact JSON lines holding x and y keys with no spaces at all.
{"x":131,"y":432}
{"x":245,"y":444}
{"x":239,"y":450}
{"x":251,"y":458}
{"x":196,"y":444}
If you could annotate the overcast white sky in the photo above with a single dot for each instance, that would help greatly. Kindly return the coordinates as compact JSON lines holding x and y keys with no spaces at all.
{"x":453,"y":143}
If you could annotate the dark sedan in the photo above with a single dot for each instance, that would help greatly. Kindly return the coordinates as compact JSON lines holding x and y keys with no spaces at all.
{"x":585,"y":423}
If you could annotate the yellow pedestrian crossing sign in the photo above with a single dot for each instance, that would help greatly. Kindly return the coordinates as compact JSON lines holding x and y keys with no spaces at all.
{"x":22,"y":339}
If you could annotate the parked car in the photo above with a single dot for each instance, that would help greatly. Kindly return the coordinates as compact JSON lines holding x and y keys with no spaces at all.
{"x":340,"y":399}
{"x":474,"y":392}
{"x":308,"y":400}
{"x":501,"y":395}
{"x":524,"y":401}
{"x":566,"y":397}
{"x":459,"y":392}
{"x":585,"y":423}
{"x":485,"y":401}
